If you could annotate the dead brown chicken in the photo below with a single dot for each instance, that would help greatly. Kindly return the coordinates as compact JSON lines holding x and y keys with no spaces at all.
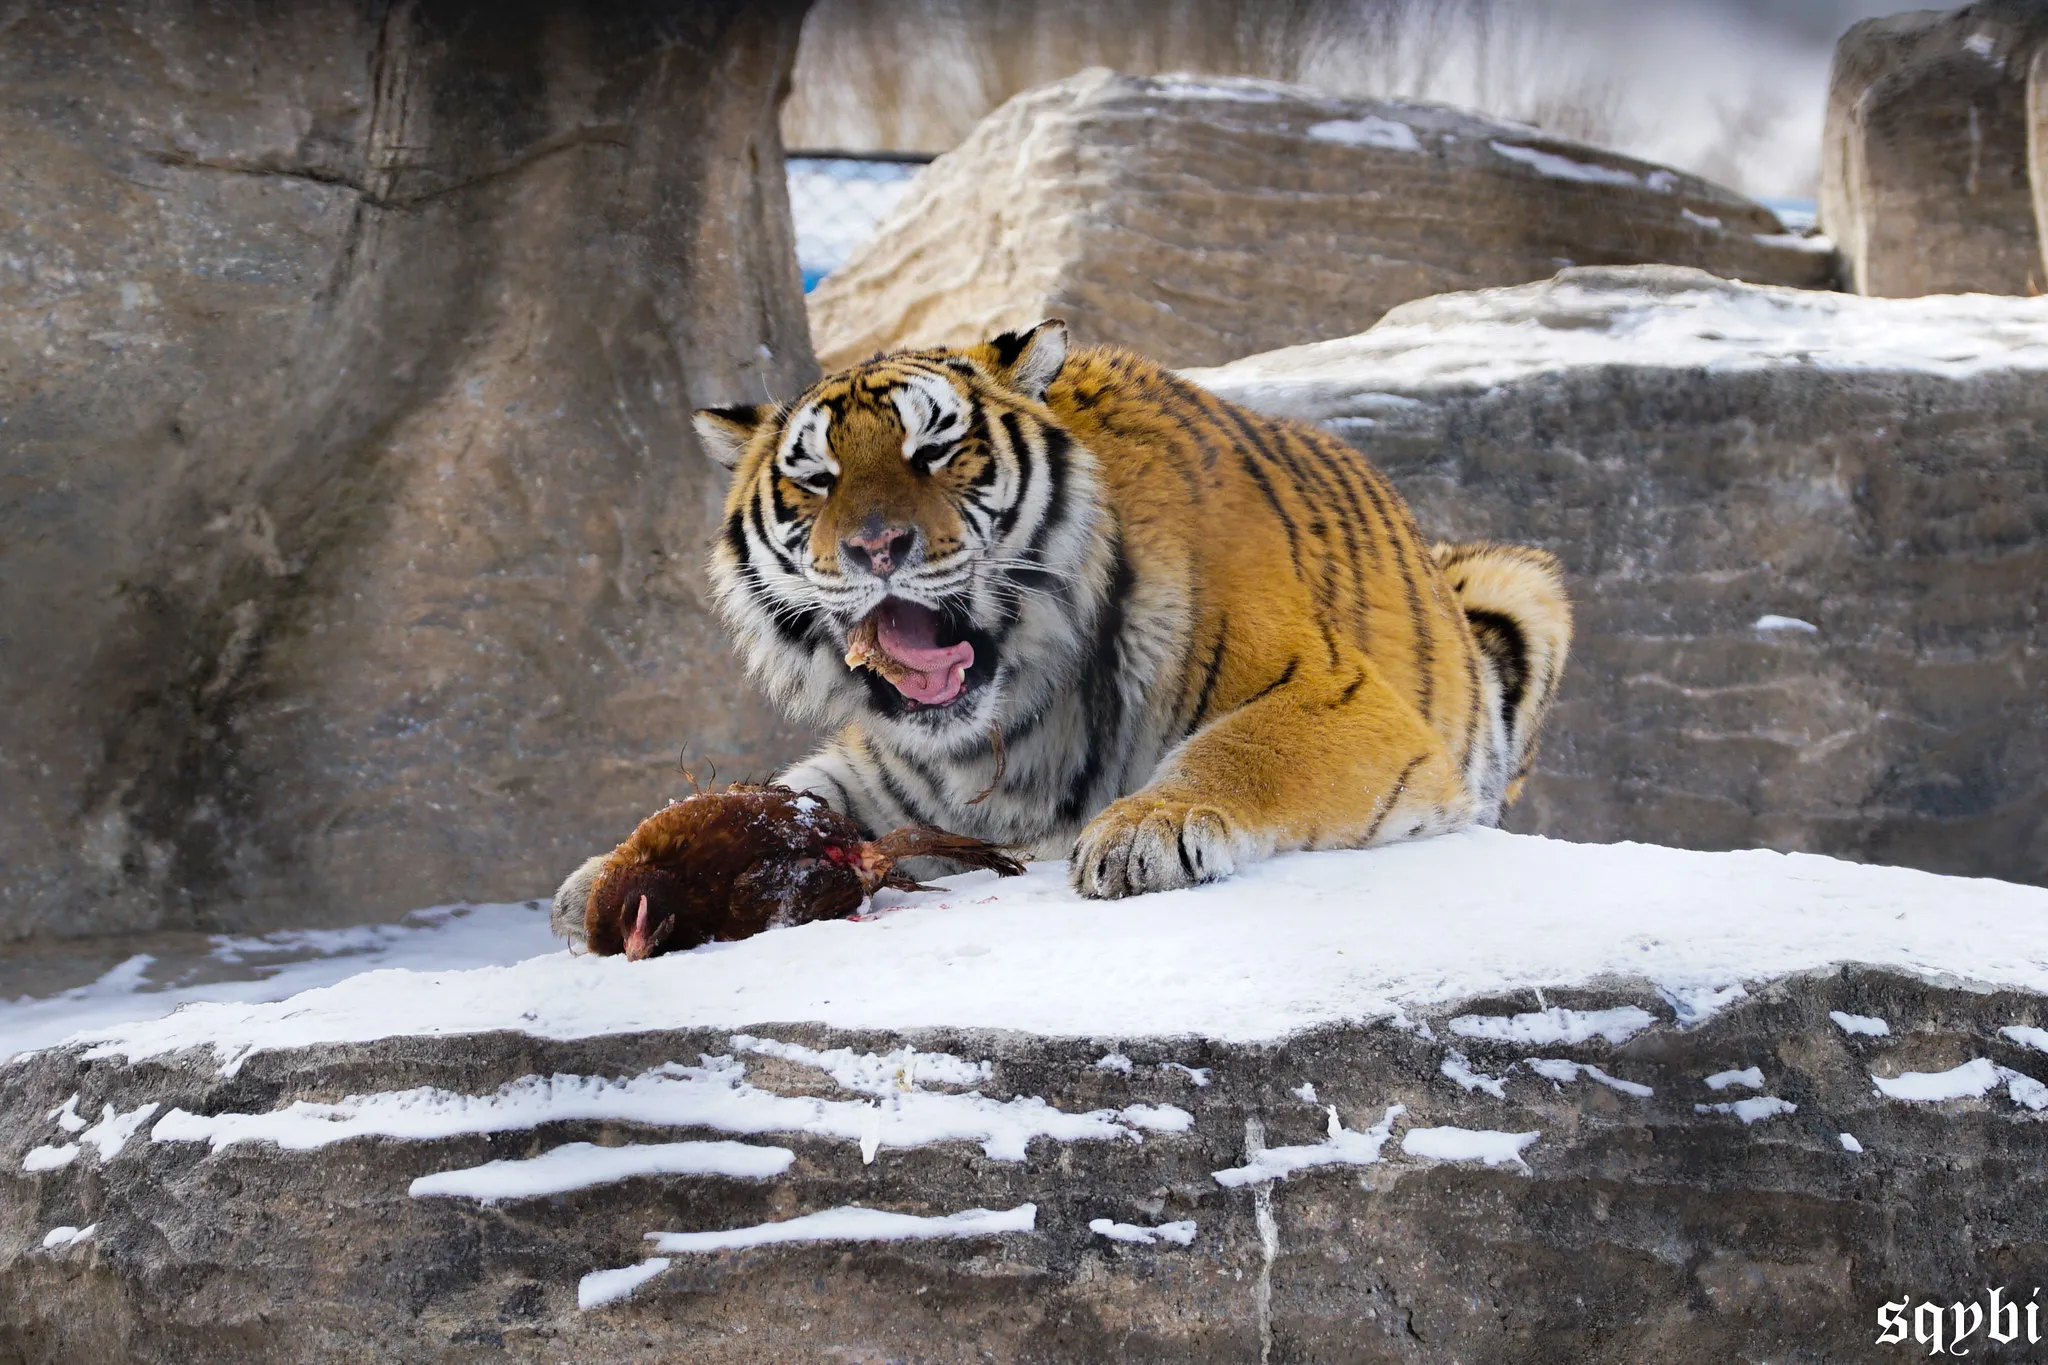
{"x":728,"y":864}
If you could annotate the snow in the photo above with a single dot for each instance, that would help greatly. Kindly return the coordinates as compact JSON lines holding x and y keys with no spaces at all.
{"x":1752,"y":1077}
{"x":1564,"y":168}
{"x":1850,"y":1144}
{"x":1344,"y":1147}
{"x":1694,"y":1005}
{"x":1556,"y":1025}
{"x":275,"y":966}
{"x":1592,"y":318}
{"x":1750,"y":1110}
{"x":1699,"y":219}
{"x":1868,"y":1026}
{"x":49,"y":1158}
{"x":713,"y":1095}
{"x":1368,"y":131}
{"x":1794,"y":241}
{"x":1290,"y":943}
{"x":65,"y":1116}
{"x":1972,"y":1080}
{"x":1199,"y":1075}
{"x":601,"y":1287}
{"x":582,"y":1165}
{"x":853,"y":1223}
{"x":1458,"y":1067}
{"x":60,"y":1237}
{"x":1468,"y":1144}
{"x":1114,"y":1061}
{"x":1306,"y":1092}
{"x":1768,"y":624}
{"x":1563,"y":1072}
{"x":1181,"y":1234}
{"x":114,"y":1129}
{"x":885,"y":1074}
{"x":2026,"y":1036}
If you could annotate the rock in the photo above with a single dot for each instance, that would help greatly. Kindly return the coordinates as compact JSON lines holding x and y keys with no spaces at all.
{"x":1924,"y":168}
{"x":1198,"y":220}
{"x":1672,"y":1174}
{"x":352,"y":515}
{"x":2037,"y":145}
{"x":1722,"y":467}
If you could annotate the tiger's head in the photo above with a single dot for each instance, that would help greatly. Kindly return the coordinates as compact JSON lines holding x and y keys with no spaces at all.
{"x":932,"y":495}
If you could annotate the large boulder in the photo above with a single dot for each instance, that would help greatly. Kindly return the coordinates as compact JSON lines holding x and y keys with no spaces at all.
{"x":1807,"y":535}
{"x":1483,"y":1098}
{"x":350,"y":514}
{"x":1198,"y":220}
{"x":1925,"y":184}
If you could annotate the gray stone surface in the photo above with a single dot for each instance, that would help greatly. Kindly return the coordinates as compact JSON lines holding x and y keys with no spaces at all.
{"x":1198,"y":219}
{"x":350,"y":515}
{"x":2037,"y":146}
{"x":1641,"y":1228}
{"x":1702,"y":455}
{"x":1925,"y":184}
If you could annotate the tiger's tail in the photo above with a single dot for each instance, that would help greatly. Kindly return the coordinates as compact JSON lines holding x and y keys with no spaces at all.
{"x":1514,"y":599}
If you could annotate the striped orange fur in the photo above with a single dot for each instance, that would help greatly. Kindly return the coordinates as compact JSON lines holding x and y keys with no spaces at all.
{"x":1203,"y":634}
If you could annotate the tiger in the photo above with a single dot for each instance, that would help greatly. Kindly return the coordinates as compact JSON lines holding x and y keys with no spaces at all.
{"x":1130,"y":624}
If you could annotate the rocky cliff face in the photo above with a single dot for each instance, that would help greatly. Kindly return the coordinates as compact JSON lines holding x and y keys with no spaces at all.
{"x":1199,"y":220}
{"x":456,"y":1166}
{"x":351,"y":519}
{"x":1925,"y":180}
{"x":1437,"y":1199}
{"x":1807,"y":536}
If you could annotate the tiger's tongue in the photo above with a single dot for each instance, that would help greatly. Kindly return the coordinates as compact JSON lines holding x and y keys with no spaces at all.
{"x":908,"y":633}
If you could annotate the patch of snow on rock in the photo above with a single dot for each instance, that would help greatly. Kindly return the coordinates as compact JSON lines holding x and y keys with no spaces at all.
{"x":1287,"y":944}
{"x":1634,"y":317}
{"x":1468,"y":1144}
{"x":1556,"y":1025}
{"x":853,"y":1223}
{"x":1750,"y":1076}
{"x":1972,"y":1080}
{"x":1850,"y":1144}
{"x":1564,"y":168}
{"x":275,"y":966}
{"x":1770,"y":625}
{"x":1458,"y":1068}
{"x":2027,"y":1036}
{"x":1181,"y":1233}
{"x":1693,"y":1005}
{"x":714,"y":1095}
{"x":1114,"y":1061}
{"x":1564,"y":1072}
{"x":1864,"y":1025}
{"x":1198,"y":1074}
{"x":582,"y":1165}
{"x":49,"y":1158}
{"x":1344,"y":1147}
{"x":1750,"y":1110}
{"x":56,"y":1239}
{"x":601,"y":1287}
{"x":1369,"y":131}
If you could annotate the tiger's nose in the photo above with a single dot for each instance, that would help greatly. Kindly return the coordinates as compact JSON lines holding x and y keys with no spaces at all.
{"x":880,"y":550}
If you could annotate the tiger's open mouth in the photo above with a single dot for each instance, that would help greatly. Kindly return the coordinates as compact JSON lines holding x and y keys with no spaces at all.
{"x":923,"y":654}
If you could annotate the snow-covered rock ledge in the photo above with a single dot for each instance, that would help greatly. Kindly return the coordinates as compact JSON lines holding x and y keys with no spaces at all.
{"x":1485,"y":1097}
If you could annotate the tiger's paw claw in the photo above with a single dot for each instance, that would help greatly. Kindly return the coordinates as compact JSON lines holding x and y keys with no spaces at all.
{"x":1145,"y":844}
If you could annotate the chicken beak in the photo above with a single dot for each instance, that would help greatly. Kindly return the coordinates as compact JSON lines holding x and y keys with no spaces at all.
{"x":640,"y":938}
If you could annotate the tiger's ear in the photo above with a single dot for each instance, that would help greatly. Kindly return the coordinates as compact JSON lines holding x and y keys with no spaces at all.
{"x":1029,"y":361}
{"x":724,"y":432}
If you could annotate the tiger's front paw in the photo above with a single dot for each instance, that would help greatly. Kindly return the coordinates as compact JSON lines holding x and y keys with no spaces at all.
{"x":1143,"y":843}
